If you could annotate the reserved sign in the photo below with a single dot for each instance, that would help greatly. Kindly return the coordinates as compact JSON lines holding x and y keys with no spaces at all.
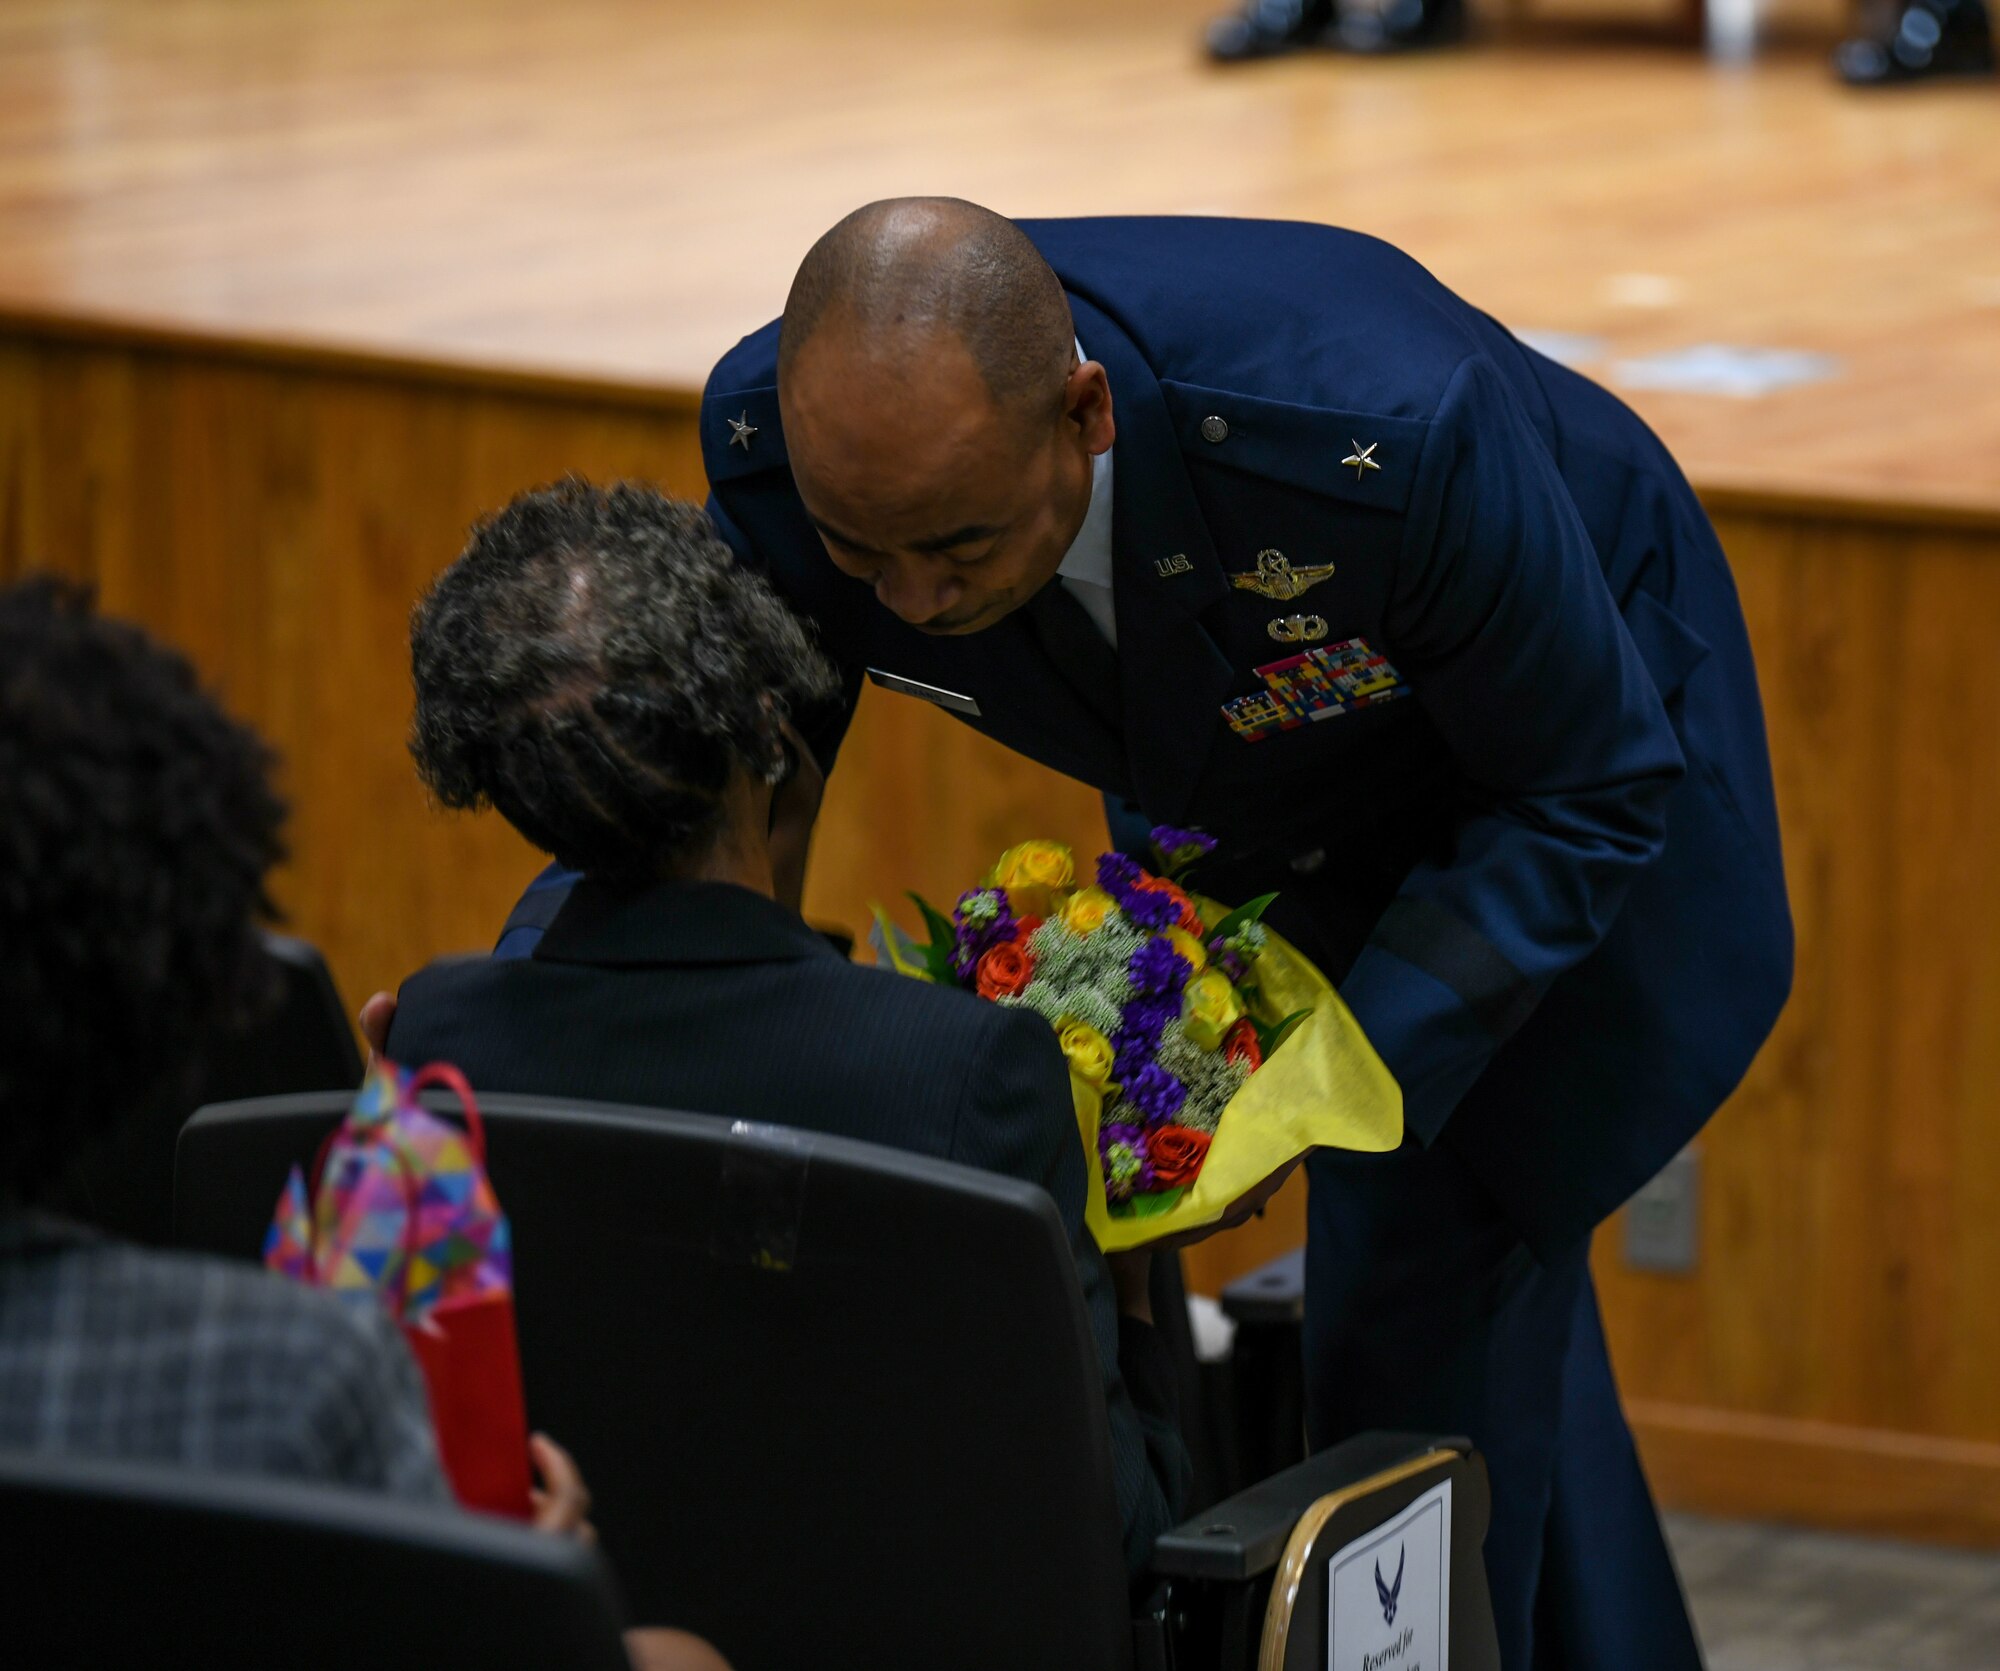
{"x":1388,"y":1594}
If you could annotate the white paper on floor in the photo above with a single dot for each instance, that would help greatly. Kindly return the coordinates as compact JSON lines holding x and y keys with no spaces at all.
{"x":1716,"y":368}
{"x":1569,"y":348}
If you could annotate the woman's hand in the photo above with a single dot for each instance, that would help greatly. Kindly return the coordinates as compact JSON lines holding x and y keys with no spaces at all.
{"x":562,"y":1503}
{"x":376,"y":1017}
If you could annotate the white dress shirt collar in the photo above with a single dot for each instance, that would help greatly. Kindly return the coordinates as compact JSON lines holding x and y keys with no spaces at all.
{"x":1086,"y":566}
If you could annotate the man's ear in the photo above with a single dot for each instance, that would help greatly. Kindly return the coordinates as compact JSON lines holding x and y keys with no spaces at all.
{"x":1087,"y":404}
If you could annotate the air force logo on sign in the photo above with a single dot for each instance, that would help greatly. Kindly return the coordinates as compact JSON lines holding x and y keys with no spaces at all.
{"x":1388,"y":1594}
{"x":1391,"y":1594}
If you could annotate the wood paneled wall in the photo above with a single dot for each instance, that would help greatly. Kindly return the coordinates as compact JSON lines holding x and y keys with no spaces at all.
{"x":1834,"y":1356}
{"x":278,"y":522}
{"x":1850,"y":1235}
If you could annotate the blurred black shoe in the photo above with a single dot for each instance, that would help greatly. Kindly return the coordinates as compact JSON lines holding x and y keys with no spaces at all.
{"x":1922,"y":41}
{"x":1397,"y":25}
{"x":1267,"y":28}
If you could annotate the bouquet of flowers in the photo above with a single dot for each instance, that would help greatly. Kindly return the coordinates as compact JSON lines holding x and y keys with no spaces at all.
{"x":1204,"y":1052}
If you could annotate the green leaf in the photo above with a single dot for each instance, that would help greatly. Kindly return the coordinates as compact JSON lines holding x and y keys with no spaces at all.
{"x":1241,"y":917}
{"x":1153,"y":1204}
{"x":1269,"y":1038}
{"x":936,"y":921}
{"x":937,"y":955}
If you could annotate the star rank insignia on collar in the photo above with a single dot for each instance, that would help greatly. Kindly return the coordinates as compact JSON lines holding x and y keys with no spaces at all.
{"x":1276,"y":578}
{"x":1362,"y":459}
{"x":744,"y":430}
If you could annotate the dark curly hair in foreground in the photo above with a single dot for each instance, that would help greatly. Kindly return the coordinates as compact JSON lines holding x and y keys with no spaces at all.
{"x":597,"y":666}
{"x":137,"y":824}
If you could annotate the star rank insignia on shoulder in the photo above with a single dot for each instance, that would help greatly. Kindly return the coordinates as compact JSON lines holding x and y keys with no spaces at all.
{"x":1274,"y":577}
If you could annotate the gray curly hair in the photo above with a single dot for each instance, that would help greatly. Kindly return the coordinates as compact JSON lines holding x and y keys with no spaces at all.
{"x":597,"y":667}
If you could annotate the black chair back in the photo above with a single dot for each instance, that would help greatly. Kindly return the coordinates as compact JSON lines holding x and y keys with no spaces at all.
{"x":301,"y":1041}
{"x":837,"y":1404}
{"x":123,"y":1564}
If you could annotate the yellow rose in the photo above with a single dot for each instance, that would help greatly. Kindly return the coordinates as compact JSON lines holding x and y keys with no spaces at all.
{"x":1085,"y":910}
{"x":1089,"y":1052}
{"x":1189,"y":947}
{"x":1209,"y":1008}
{"x":1089,"y":1103}
{"x":1035,"y":864}
{"x":1030,"y":872}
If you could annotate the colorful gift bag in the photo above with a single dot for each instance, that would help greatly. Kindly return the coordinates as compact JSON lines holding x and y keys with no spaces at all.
{"x":401,"y":1213}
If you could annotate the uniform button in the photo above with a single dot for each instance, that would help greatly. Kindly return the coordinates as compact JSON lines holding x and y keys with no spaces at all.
{"x":1214,"y":429}
{"x":1304,"y":864}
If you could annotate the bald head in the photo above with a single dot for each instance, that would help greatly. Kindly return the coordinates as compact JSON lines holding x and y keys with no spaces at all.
{"x":897,"y":277}
{"x":939,"y":427}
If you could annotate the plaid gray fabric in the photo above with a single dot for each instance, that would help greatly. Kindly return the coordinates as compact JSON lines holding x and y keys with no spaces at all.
{"x":115,"y":1351}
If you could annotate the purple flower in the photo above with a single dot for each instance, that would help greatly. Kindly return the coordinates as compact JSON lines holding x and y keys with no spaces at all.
{"x":1138,"y":1035}
{"x":1229,"y":961}
{"x":1150,"y":908}
{"x":982,"y":919}
{"x":1116,"y":874}
{"x":1128,"y":1166}
{"x":1180,"y":848}
{"x":1155,"y":1093}
{"x":1156,"y":968}
{"x":1144,"y":1019}
{"x":1134,"y":1057}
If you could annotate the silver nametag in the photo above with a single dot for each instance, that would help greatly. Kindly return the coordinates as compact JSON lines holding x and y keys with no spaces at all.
{"x":927,"y":693}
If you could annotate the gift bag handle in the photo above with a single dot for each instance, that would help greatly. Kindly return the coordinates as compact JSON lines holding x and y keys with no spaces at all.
{"x":443,"y":1073}
{"x":435,"y":1073}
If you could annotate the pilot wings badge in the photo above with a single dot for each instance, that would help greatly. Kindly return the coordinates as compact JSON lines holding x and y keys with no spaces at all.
{"x":1274,"y":577}
{"x":1391,"y":1594}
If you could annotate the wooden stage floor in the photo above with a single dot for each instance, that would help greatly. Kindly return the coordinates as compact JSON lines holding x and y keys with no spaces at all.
{"x":610,"y":191}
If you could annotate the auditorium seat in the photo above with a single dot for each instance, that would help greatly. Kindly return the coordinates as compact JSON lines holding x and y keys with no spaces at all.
{"x":838,"y":1404}
{"x":119,"y":1564}
{"x":300,"y":1041}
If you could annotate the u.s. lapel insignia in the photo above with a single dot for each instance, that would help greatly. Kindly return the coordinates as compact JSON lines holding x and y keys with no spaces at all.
{"x":744,"y":431}
{"x":1321,"y":684}
{"x":1297,"y":629}
{"x":1362,"y":459}
{"x":1275,"y":578}
{"x":1167,"y":567}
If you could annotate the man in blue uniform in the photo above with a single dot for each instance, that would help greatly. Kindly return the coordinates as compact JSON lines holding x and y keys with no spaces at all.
{"x":1259,"y":529}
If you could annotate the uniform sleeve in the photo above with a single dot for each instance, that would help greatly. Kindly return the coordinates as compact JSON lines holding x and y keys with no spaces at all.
{"x":1501,"y":621}
{"x":1019,"y":1119}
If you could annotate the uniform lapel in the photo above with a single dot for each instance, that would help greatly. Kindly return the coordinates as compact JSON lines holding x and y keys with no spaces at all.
{"x":1173,"y":678}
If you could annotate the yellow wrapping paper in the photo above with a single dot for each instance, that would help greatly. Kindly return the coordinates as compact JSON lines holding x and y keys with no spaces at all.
{"x":1322,"y":1088}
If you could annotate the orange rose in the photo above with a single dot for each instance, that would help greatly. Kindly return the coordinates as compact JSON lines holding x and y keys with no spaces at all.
{"x":1240,"y":1044}
{"x":1177,"y":1153}
{"x":1004,"y":972}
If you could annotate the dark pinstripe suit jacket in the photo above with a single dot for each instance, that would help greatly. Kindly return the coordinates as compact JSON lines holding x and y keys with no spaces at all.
{"x":717,"y":1000}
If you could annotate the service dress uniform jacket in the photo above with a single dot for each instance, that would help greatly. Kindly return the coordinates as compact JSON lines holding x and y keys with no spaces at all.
{"x":1433,"y":635}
